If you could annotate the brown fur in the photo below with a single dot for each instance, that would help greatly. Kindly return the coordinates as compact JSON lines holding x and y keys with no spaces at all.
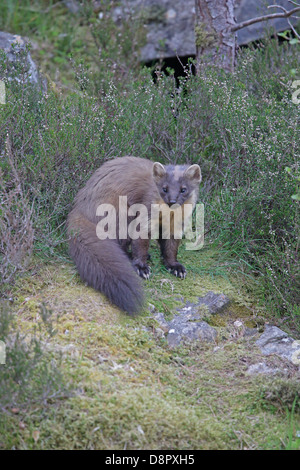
{"x":104,"y":264}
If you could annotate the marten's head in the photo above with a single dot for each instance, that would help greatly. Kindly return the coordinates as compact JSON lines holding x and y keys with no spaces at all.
{"x":177,"y":184}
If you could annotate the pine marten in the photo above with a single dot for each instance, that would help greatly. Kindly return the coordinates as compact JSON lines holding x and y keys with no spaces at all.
{"x":105,"y":264}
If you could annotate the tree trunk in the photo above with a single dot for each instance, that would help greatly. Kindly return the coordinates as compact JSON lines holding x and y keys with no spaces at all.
{"x":215,"y":40}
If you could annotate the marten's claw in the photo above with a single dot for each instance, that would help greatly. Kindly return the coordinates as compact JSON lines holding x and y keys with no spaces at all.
{"x":178,"y":270}
{"x":142,"y":269}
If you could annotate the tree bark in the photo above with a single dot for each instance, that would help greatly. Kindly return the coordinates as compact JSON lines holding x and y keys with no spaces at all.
{"x":215,"y":38}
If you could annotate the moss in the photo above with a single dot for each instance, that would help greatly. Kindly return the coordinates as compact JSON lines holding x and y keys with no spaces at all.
{"x":32,"y":306}
{"x":203,"y":37}
{"x":217,"y":320}
{"x":131,"y":390}
{"x":283,"y":394}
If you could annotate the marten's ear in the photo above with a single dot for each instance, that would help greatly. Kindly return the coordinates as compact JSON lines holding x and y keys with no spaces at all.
{"x":193,"y":172}
{"x":158,"y":171}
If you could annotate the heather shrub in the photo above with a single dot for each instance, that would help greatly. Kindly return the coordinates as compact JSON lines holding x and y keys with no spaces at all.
{"x":255,"y":216}
{"x":16,"y":228}
{"x":29,"y":374}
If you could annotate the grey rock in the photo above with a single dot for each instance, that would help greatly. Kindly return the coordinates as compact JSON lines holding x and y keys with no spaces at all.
{"x":188,"y":324}
{"x":72,"y":5}
{"x":185,"y":331}
{"x":159,"y":317}
{"x":212,"y":303}
{"x":14,"y":45}
{"x":276,"y":341}
{"x":264,"y":369}
{"x":185,"y":327}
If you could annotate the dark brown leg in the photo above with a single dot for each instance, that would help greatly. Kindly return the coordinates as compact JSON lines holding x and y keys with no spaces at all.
{"x":169,"y":250}
{"x":139,"y":257}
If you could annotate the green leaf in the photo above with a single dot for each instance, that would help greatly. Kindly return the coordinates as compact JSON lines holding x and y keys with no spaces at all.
{"x":283,"y":34}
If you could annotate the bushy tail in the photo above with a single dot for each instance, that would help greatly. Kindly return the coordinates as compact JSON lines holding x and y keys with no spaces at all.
{"x":103,"y":265}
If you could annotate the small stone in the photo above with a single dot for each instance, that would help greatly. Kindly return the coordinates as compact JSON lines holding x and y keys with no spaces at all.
{"x":190,"y":331}
{"x":211,"y":303}
{"x":262,"y":368}
{"x":214,"y":302}
{"x":72,"y":5}
{"x":140,"y":430}
{"x":171,"y":14}
{"x":276,"y":341}
{"x":173,"y":338}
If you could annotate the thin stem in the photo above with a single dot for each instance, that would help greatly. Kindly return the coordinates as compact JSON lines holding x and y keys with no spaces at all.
{"x":285,"y":14}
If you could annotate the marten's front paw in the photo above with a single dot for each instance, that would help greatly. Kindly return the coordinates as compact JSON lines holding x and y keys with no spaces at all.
{"x":177,"y":269}
{"x":142,"y":269}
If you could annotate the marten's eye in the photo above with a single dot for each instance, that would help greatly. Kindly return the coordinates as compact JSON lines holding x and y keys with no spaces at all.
{"x":165,"y":190}
{"x":183,"y":190}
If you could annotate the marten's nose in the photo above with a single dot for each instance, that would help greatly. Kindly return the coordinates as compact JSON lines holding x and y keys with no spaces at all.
{"x":172,"y":201}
